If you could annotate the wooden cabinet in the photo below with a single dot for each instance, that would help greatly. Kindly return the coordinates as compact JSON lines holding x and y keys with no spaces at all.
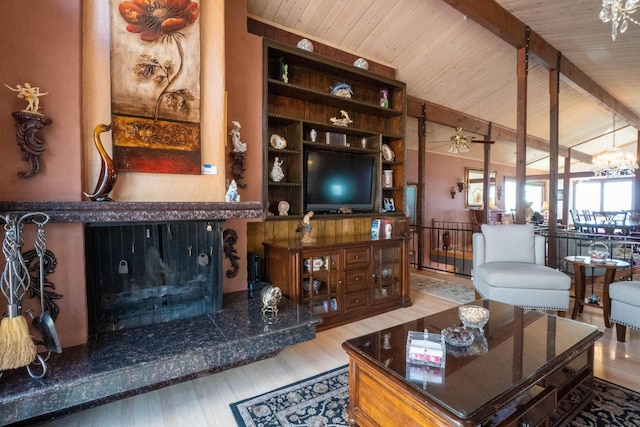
{"x":299,"y":100}
{"x":341,"y":279}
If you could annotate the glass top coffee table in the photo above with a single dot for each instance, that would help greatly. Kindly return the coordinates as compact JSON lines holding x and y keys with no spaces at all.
{"x":527,"y":367}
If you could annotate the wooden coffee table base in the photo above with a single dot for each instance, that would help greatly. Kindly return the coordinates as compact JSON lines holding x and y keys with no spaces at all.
{"x":553,"y":393}
{"x":376,"y":399}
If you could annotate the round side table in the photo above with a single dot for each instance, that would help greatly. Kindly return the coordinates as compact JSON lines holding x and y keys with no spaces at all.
{"x":579,"y":265}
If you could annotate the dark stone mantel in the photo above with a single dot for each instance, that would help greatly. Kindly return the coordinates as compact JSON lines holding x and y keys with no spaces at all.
{"x":88,"y":212}
{"x":121,"y":364}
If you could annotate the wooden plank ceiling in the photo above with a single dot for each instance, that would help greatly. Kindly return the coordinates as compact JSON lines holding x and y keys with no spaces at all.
{"x":449,"y":59}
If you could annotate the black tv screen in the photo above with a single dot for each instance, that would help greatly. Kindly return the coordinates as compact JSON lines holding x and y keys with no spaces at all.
{"x":333,"y":180}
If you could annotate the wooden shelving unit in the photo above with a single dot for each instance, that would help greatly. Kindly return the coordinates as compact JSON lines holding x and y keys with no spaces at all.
{"x":303,"y":102}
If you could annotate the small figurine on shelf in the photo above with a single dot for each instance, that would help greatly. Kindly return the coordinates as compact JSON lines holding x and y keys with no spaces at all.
{"x":276,"y":173}
{"x":344,"y":121}
{"x":238,"y":146}
{"x":342,"y":90}
{"x":232,"y":193}
{"x":283,"y":208}
{"x":306,"y":228}
{"x":284,"y":71}
{"x":313,"y":135}
{"x":384,"y":98}
{"x":31,"y":94}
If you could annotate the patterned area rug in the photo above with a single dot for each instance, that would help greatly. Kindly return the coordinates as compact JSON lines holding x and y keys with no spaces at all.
{"x":458,"y":292}
{"x":322,"y":401}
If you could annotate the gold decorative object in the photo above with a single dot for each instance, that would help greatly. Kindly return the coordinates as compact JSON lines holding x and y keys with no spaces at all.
{"x":459,"y":143}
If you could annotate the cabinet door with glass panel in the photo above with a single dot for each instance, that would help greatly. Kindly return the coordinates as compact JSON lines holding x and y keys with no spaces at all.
{"x":387,"y":272}
{"x":321,"y":279}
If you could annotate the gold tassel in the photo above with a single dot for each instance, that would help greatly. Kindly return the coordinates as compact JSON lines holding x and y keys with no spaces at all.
{"x":17,"y":348}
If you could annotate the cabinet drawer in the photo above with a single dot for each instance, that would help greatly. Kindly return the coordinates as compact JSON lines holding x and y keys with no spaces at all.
{"x":356,"y":257}
{"x":536,"y":411}
{"x":573,"y":401}
{"x":569,"y":371}
{"x":355,"y":299}
{"x":356,"y":280}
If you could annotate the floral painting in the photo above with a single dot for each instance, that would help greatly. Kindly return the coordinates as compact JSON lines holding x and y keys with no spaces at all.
{"x":155,"y":85}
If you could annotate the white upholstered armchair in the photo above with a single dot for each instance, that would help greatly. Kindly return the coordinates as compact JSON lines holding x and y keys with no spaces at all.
{"x":509,"y":266}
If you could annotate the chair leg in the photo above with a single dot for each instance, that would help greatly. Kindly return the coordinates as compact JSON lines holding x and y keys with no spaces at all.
{"x":478,"y":296}
{"x":621,"y":332}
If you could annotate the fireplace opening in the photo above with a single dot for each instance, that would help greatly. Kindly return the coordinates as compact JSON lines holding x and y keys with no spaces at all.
{"x":148,"y":273}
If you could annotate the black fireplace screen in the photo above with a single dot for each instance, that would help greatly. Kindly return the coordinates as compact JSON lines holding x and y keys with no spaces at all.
{"x":147,"y":273}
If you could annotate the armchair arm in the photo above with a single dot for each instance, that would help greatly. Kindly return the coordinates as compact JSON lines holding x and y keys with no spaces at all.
{"x":540,"y":249}
{"x":478,"y":250}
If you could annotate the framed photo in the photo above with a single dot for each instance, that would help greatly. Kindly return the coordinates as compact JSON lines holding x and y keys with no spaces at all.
{"x":389,"y":205}
{"x":560,"y":195}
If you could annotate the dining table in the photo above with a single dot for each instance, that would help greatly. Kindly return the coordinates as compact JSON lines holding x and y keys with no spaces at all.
{"x":608,"y":222}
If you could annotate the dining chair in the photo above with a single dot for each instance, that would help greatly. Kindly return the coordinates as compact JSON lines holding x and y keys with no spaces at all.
{"x":575,"y":217}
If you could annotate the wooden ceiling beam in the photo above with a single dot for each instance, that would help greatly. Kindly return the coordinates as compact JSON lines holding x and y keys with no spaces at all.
{"x":503,"y":24}
{"x":449,"y":117}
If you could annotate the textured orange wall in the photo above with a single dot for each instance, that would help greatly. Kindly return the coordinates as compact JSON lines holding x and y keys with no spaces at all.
{"x":244,"y":104}
{"x":41,"y":45}
{"x":442,"y":172}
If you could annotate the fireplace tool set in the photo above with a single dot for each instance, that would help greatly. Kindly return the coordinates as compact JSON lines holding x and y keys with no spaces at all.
{"x":17,"y":347}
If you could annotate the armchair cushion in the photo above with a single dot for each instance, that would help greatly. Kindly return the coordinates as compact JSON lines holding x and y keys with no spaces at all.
{"x":519,"y":276}
{"x":509,"y":243}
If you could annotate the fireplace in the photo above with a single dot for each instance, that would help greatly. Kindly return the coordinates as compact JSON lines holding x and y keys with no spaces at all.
{"x":161,"y":242}
{"x":142,"y":274}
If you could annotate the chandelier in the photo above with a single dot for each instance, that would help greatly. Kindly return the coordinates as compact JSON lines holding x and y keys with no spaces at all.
{"x":614,"y":11}
{"x":614,"y":163}
{"x":458,"y":143}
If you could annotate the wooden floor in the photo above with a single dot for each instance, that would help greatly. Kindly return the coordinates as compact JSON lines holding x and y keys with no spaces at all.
{"x":205,"y":401}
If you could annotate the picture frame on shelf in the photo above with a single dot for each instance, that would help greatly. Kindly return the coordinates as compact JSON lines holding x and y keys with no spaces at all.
{"x":389,"y":204}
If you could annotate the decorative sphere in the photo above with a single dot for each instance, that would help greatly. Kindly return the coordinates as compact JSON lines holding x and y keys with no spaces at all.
{"x":271,"y":296}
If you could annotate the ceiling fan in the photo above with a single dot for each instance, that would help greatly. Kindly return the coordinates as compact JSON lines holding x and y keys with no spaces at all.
{"x":459,"y":143}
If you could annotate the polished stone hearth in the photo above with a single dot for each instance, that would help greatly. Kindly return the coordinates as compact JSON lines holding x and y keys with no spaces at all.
{"x":117,"y":365}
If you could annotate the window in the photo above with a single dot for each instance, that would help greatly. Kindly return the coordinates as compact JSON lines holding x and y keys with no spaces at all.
{"x":533,"y":192}
{"x":603,"y":195}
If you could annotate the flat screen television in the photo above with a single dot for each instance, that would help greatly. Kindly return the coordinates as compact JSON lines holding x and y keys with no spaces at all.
{"x":333,"y":180}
